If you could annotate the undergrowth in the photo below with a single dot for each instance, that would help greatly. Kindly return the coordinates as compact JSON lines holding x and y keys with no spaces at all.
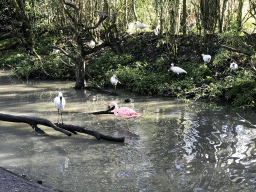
{"x":215,"y":81}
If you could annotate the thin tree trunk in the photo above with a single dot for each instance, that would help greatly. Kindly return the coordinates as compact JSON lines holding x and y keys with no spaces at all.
{"x":161,"y":18}
{"x":239,"y":15}
{"x":221,"y":18}
{"x":134,"y":10}
{"x":184,"y":10}
{"x":80,"y":73}
{"x":126,"y":14}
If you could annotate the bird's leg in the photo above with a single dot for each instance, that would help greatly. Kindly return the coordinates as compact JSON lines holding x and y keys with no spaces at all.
{"x":61,"y":118}
{"x":58,"y":115}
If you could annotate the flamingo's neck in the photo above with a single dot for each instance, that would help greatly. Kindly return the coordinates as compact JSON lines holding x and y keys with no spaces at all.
{"x":115,"y":111}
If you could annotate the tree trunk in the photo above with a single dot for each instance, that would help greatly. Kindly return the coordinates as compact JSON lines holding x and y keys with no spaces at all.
{"x":239,"y":15}
{"x":161,"y":18}
{"x":184,"y":10}
{"x":80,"y":73}
{"x":134,"y":10}
{"x":221,"y":18}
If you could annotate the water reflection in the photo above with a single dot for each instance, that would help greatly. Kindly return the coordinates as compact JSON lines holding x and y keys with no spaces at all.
{"x":176,"y":146}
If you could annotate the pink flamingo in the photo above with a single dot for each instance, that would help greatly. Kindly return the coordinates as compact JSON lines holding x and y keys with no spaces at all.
{"x":124,"y":112}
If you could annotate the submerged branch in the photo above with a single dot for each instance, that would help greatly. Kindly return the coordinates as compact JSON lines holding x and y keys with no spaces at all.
{"x":96,"y":134}
{"x":66,"y":129}
{"x":32,"y":121}
{"x":246,"y":120}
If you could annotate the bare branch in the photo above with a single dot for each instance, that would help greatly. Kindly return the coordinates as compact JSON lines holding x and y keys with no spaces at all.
{"x":97,"y":24}
{"x":236,"y":50}
{"x":103,"y":14}
{"x":32,"y":121}
{"x":66,"y":129}
{"x":68,"y":27}
{"x":71,"y":4}
{"x":96,"y":134}
{"x":65,"y":63}
{"x":61,"y":50}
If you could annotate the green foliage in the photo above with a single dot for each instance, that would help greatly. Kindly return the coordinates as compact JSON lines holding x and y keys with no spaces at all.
{"x":41,"y":45}
{"x":50,"y":65}
{"x":243,"y":90}
{"x":220,"y":59}
{"x":160,"y":65}
{"x":22,"y":64}
{"x":107,"y":63}
{"x":6,"y":43}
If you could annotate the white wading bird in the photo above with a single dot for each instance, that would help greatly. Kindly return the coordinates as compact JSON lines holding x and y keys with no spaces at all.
{"x":92,"y":44}
{"x":114,"y":80}
{"x":234,"y":66}
{"x":59,"y":104}
{"x":177,"y":70}
{"x":157,"y":30}
{"x":206,"y":58}
{"x":140,"y":25}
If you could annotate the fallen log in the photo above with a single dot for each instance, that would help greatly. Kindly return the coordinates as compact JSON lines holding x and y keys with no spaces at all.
{"x":108,"y":111}
{"x":32,"y":121}
{"x":96,"y":134}
{"x":66,"y":129}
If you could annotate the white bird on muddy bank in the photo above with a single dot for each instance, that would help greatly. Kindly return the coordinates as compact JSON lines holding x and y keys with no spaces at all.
{"x":140,"y":25}
{"x":59,"y":104}
{"x":234,"y":66}
{"x":157,"y":30}
{"x":176,"y":70}
{"x":114,"y":80}
{"x":92,"y":44}
{"x":206,"y":58}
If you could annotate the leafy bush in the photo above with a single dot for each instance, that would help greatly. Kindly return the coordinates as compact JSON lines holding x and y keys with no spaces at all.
{"x":103,"y":68}
{"x":243,"y":90}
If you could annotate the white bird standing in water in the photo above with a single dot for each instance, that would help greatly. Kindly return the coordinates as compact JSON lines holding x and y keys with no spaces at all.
{"x":59,"y":104}
{"x":234,"y":66}
{"x":92,"y":44}
{"x":206,"y":58}
{"x":114,"y":80}
{"x":140,"y":25}
{"x":177,"y":70}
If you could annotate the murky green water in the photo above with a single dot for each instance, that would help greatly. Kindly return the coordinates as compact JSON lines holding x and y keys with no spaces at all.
{"x":175,"y":146}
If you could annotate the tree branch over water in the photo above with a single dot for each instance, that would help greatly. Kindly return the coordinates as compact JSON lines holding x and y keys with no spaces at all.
{"x":66,"y":129}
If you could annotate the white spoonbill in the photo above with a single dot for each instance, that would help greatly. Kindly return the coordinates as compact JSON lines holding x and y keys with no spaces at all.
{"x":157,"y":30}
{"x":234,"y":66}
{"x":114,"y":80}
{"x":177,"y":70}
{"x":59,"y":104}
{"x":206,"y":58}
{"x":140,"y":25}
{"x":92,"y":44}
{"x":124,"y":112}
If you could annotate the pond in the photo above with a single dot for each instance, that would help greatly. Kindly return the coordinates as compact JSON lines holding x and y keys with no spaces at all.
{"x":177,"y":145}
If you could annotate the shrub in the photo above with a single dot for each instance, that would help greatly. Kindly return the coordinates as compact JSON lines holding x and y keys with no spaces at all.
{"x":243,"y":91}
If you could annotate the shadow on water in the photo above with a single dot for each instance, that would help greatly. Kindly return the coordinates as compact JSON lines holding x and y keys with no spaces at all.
{"x":176,"y":145}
